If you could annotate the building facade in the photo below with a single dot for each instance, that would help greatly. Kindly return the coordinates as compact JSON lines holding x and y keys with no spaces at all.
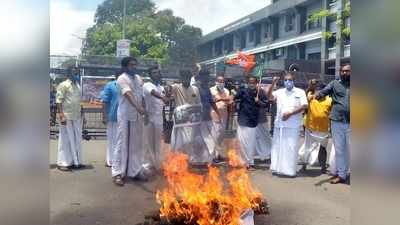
{"x":279,"y":34}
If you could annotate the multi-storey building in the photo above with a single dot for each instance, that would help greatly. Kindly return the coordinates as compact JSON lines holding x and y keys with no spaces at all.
{"x":279,"y":34}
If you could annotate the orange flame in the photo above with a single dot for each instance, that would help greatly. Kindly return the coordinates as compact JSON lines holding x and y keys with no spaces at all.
{"x":190,"y":198}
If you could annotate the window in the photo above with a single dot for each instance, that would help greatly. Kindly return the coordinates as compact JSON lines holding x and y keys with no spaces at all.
{"x":314,"y":24}
{"x":289,"y":22}
{"x":314,"y":56}
{"x":252,"y":34}
{"x":267,"y":27}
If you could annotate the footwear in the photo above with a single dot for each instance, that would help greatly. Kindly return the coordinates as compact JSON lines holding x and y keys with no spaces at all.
{"x":64,"y":168}
{"x":338,"y":180}
{"x":323,"y":170}
{"x":303,"y":168}
{"x":140,"y":177}
{"x":118,"y":180}
{"x":80,"y":166}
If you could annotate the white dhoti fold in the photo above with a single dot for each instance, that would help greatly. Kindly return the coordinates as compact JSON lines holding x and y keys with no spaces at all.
{"x":128,"y":154}
{"x":206,"y":129}
{"x":284,"y":152}
{"x":247,"y":139}
{"x":152,"y":156}
{"x":308,"y":152}
{"x":264,"y":141}
{"x":111,"y":141}
{"x":69,"y":144}
{"x":218,"y":133}
{"x":189,"y":140}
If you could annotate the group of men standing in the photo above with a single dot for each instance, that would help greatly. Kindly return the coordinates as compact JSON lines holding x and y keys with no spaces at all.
{"x":133,"y":111}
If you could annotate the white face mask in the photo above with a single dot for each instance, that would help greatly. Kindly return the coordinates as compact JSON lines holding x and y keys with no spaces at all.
{"x":220,"y":86}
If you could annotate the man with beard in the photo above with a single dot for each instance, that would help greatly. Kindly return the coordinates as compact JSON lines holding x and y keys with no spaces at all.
{"x":128,"y":155}
{"x":291,"y":103}
{"x":68,"y":100}
{"x":249,"y":101}
{"x":339,"y":91}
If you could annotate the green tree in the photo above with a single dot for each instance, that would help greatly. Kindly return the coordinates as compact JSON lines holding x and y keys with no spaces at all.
{"x":110,"y":11}
{"x":343,"y":30}
{"x":155,"y":34}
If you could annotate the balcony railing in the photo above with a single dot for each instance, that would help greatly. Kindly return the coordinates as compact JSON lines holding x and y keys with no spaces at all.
{"x":332,"y":52}
{"x":333,"y":7}
{"x":346,"y":51}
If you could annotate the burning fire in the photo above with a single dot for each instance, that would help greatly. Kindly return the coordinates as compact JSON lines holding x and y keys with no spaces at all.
{"x":190,"y":198}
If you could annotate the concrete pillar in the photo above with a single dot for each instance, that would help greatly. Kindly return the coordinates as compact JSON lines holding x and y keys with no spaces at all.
{"x":324,"y":42}
{"x":339,"y":42}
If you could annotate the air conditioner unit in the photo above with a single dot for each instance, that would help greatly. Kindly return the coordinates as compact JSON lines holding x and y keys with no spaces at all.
{"x":279,"y":52}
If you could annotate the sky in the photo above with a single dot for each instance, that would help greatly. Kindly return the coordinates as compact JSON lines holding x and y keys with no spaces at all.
{"x":69,"y":19}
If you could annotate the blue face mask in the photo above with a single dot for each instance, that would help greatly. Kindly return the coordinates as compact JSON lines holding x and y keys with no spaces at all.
{"x":289,"y":84}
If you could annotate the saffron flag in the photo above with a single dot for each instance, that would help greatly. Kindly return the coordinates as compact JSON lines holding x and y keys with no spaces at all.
{"x":243,"y":60}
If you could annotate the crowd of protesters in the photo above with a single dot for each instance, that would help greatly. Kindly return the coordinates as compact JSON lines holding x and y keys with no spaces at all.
{"x":133,"y":110}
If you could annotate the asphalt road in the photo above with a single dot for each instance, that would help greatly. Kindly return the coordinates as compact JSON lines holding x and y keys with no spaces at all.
{"x":88,"y":197}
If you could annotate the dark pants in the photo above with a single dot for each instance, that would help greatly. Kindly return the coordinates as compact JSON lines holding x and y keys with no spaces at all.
{"x":322,"y":156}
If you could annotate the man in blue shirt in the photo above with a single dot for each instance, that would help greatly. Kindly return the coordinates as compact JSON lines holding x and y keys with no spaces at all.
{"x":249,"y":101}
{"x":109,"y":98}
{"x":207,"y":125}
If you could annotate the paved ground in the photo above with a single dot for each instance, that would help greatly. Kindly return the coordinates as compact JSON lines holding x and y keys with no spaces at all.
{"x":88,"y":197}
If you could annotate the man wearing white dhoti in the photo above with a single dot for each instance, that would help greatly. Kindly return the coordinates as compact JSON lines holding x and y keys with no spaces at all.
{"x":207,"y":126}
{"x":316,"y":123}
{"x":154,"y":97}
{"x":129,"y":153}
{"x":68,"y":100}
{"x":109,"y":98}
{"x":223,"y":101}
{"x":263,"y":138}
{"x":249,"y":101}
{"x":291,"y":103}
{"x":186,"y":133}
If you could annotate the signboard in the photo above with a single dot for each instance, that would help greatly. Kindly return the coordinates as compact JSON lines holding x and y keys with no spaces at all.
{"x":123,"y":48}
{"x":187,"y":115}
{"x":92,"y":88}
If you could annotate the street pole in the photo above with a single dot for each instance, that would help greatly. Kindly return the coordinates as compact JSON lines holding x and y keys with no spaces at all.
{"x":123,"y":21}
{"x":338,"y":38}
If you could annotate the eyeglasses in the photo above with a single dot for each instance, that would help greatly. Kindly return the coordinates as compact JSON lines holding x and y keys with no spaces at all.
{"x":346,"y":71}
{"x":288,"y":79}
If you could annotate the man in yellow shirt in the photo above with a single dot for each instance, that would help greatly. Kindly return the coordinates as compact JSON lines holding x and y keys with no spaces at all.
{"x":316,"y":122}
{"x":68,"y":100}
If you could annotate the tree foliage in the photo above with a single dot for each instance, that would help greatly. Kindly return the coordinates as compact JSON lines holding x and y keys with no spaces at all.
{"x":154,"y":34}
{"x":325,"y":13}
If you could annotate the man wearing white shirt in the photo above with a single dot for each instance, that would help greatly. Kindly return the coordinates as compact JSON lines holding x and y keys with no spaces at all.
{"x":154,"y":97}
{"x":128,"y":154}
{"x":291,"y":103}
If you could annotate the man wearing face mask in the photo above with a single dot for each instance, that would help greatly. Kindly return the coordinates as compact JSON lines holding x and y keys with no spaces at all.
{"x":223,"y":100}
{"x":128,"y":154}
{"x":291,"y":103}
{"x":68,"y":100}
{"x":154,"y":97}
{"x":339,"y":91}
{"x":249,"y":100}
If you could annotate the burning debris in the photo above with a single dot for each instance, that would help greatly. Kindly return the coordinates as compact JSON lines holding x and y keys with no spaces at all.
{"x":193,"y":199}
